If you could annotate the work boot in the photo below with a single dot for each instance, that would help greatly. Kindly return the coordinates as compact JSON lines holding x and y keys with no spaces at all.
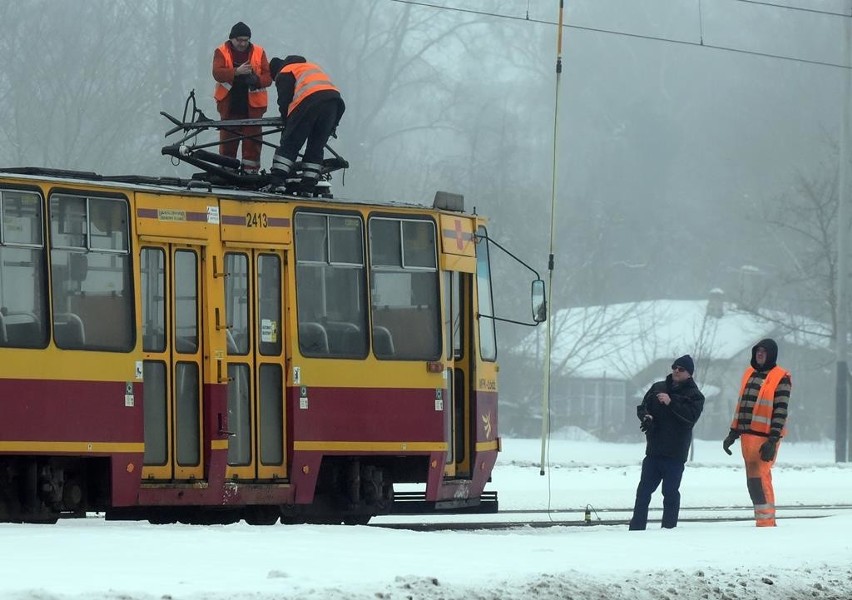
{"x":310,"y":175}
{"x":280,"y":178}
{"x":250,"y":167}
{"x":307,"y":185}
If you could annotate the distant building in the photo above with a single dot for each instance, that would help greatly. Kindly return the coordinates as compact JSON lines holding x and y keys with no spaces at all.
{"x":604,"y":358}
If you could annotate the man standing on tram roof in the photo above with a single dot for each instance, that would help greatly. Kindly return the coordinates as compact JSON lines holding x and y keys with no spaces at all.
{"x":311,"y":107}
{"x":242,"y":75}
{"x":667,"y":414}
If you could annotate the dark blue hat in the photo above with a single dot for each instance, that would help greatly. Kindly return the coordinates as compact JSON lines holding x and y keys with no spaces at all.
{"x":685,"y":361}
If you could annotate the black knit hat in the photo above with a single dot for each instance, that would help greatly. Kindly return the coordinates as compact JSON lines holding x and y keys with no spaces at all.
{"x":239,"y":30}
{"x":291,"y":59}
{"x":275,"y":66}
{"x":685,"y":361}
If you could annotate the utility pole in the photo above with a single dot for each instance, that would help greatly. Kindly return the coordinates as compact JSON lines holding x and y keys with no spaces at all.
{"x":841,"y":450}
{"x":545,"y":394}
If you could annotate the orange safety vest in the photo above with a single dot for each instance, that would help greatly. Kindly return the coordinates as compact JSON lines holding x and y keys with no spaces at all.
{"x":257,"y":98}
{"x":761,"y":417}
{"x":310,"y":78}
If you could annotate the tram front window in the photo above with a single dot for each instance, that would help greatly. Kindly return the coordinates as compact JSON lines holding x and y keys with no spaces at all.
{"x":405,"y":302}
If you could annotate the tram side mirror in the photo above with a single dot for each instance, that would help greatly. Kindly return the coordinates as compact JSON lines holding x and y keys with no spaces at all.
{"x":539,"y":301}
{"x":78,"y":267}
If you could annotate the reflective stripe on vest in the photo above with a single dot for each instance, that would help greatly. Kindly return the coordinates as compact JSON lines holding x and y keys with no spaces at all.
{"x":257,"y":98}
{"x":310,"y":78}
{"x":761,"y":417}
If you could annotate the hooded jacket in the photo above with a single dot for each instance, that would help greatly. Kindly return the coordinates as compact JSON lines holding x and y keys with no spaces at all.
{"x":296,"y":96}
{"x":764,"y":395}
{"x":671,"y":432}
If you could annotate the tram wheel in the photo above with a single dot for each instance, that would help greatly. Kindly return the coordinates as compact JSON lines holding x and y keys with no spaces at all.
{"x":261,"y":515}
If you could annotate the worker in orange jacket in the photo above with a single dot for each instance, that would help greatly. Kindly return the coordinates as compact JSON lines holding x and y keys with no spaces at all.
{"x":311,"y":107}
{"x":242,"y":75}
{"x":760,"y":421}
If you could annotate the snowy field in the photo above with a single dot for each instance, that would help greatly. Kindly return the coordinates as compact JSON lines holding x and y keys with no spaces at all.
{"x":801,"y":558}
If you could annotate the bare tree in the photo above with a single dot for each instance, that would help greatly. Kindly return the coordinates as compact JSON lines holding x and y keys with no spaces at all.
{"x":798,"y":290}
{"x":581,"y":335}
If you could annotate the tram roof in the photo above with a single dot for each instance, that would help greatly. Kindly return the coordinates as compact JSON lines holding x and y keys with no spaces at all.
{"x":176,"y":185}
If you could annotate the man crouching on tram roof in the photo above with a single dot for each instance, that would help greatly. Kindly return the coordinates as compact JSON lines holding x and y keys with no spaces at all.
{"x":667,"y":415}
{"x":311,"y":108}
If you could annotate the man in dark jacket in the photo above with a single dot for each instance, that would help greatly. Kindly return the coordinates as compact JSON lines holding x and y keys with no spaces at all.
{"x":311,"y":107}
{"x":667,"y":415}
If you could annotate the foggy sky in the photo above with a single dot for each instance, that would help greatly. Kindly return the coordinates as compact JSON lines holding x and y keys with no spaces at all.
{"x":677,"y":135}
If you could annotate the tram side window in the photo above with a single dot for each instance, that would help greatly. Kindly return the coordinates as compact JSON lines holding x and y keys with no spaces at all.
{"x":487,"y":334}
{"x":269,"y":304}
{"x":153,"y":291}
{"x":91,"y":273}
{"x":331,"y":285}
{"x":405,"y":302}
{"x":237,"y":294}
{"x":23,"y":271}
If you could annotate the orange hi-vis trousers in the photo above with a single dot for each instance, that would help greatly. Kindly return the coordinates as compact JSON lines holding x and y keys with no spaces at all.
{"x":229,"y":138}
{"x":759,"y":479}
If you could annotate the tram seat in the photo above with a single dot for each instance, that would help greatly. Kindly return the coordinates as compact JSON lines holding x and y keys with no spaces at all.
{"x":68,"y":330}
{"x":21,"y":328}
{"x":382,"y":342}
{"x":313,"y":338}
{"x":344,"y":338}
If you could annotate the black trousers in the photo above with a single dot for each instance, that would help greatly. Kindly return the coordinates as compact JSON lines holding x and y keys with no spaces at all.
{"x":315,"y":127}
{"x":656,"y":469}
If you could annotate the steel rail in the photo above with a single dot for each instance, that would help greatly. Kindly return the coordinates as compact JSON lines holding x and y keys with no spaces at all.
{"x":689,"y":515}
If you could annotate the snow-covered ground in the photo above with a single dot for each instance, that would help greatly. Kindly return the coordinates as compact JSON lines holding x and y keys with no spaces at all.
{"x":812,"y":558}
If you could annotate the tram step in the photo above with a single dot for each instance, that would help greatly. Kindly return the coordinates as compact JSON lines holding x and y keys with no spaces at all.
{"x":414,"y":503}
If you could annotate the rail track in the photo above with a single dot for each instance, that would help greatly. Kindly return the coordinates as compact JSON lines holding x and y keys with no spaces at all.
{"x":516,"y":519}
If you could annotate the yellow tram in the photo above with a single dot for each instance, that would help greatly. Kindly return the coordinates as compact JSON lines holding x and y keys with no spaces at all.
{"x":203,"y":354}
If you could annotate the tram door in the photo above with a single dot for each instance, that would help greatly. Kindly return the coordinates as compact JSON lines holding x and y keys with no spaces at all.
{"x":457,"y":374}
{"x":171,"y":288}
{"x":253,"y":321}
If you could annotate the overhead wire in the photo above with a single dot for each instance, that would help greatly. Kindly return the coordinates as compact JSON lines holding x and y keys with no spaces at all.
{"x":796,"y":8}
{"x":700,"y":44}
{"x":829,"y":13}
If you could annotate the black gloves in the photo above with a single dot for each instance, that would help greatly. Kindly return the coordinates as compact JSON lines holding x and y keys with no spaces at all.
{"x":729,"y":441}
{"x":767,"y":450}
{"x":647,"y":424}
